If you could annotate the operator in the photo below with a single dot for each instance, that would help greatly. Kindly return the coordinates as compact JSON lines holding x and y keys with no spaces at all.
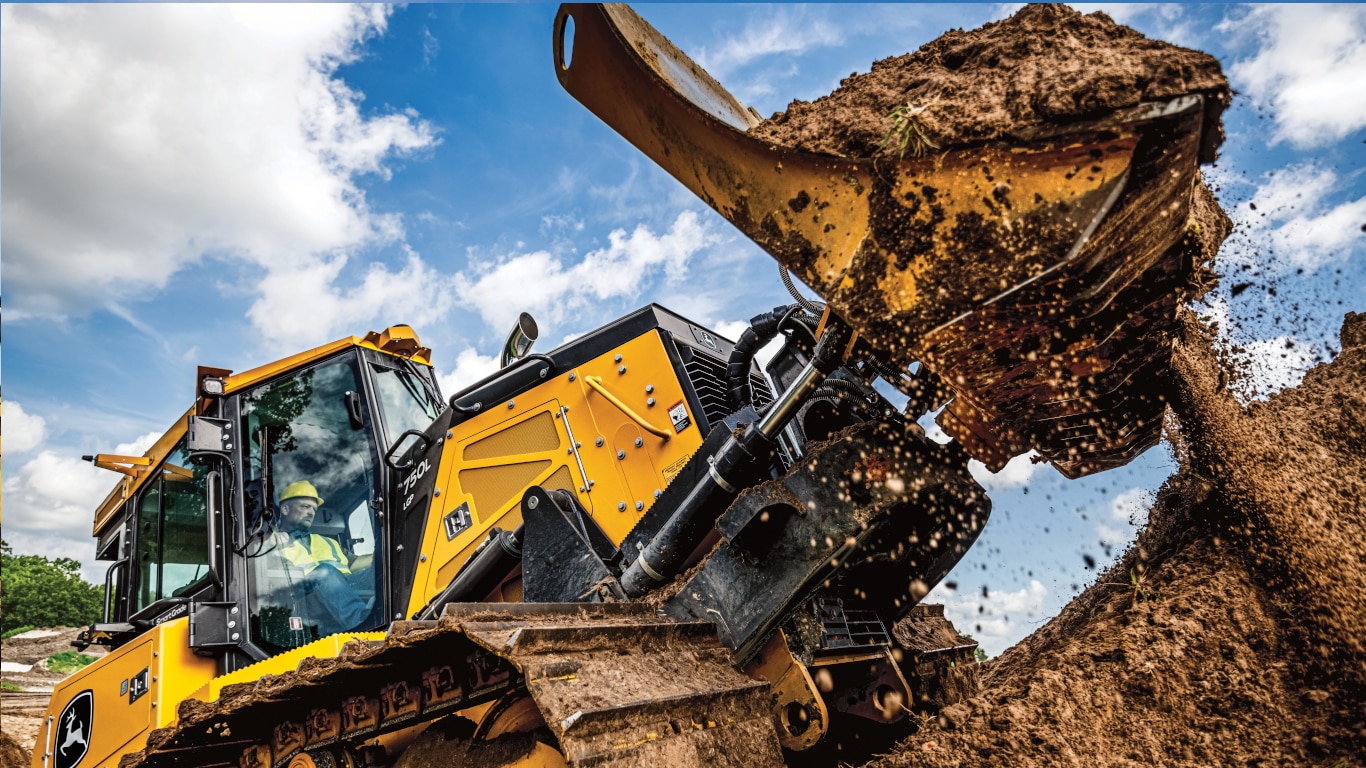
{"x":319,"y":560}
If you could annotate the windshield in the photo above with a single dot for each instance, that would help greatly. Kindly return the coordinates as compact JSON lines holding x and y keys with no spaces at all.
{"x":310,"y":478}
{"x":407,"y":397}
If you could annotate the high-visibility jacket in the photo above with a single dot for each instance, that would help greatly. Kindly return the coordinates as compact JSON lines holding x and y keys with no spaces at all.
{"x":320,"y":549}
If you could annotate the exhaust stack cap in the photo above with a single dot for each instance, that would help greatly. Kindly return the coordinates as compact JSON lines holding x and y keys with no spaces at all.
{"x":519,"y":342}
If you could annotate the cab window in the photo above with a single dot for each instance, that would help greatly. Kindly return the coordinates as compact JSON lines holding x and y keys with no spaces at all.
{"x":309,"y":482}
{"x":171,"y":542}
{"x":407,"y":396}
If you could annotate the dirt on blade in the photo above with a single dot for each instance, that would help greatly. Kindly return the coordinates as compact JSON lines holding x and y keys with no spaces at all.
{"x":1233,"y":632}
{"x":1045,"y":66}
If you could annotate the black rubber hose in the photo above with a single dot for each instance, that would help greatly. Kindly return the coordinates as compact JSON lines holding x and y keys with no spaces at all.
{"x":832,"y":386}
{"x":762,"y":328}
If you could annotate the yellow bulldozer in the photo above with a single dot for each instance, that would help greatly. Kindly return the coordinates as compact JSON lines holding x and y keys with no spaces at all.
{"x":640,"y":547}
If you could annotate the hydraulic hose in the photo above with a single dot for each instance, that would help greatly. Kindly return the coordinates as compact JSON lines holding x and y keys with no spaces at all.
{"x":489,"y":565}
{"x":733,"y":467}
{"x":762,"y":328}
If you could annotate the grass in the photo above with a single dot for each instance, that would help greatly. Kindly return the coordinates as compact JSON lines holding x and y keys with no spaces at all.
{"x":907,"y":132}
{"x":8,"y":687}
{"x":1142,"y":590}
{"x":67,"y":662}
{"x":15,"y":631}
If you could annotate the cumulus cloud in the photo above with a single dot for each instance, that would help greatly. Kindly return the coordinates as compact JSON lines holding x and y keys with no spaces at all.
{"x":1128,"y":512}
{"x":996,"y":620}
{"x":1306,"y":68}
{"x":302,"y":304}
{"x":470,"y":366}
{"x":1291,"y":215}
{"x":140,"y":139}
{"x":1015,"y":474}
{"x":544,"y":285}
{"x":50,"y":502}
{"x":22,"y":431}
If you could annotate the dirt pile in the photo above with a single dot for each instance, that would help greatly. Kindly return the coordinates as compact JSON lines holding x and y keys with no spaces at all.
{"x":1046,"y":65}
{"x":1232,"y":632}
{"x":21,"y":713}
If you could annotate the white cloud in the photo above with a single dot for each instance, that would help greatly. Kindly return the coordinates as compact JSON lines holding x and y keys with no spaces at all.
{"x":996,"y":621}
{"x":140,"y":139}
{"x":302,"y":305}
{"x":786,"y":30}
{"x":22,"y":431}
{"x":470,"y":366}
{"x":1263,"y":365}
{"x":1290,"y":220}
{"x":1128,"y":513}
{"x":50,"y":502}
{"x":542,"y":284}
{"x":1015,"y":474}
{"x":1307,"y":68}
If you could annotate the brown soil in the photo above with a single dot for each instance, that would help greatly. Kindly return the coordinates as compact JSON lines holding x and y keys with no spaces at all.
{"x":11,"y":754}
{"x":1232,"y":632}
{"x":21,"y":714}
{"x":1045,"y":66}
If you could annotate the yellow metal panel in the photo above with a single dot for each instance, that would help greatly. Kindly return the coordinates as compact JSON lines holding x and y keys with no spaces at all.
{"x":505,"y":437}
{"x":177,"y":671}
{"x":533,"y":435}
{"x":493,"y":483}
{"x":118,"y":723}
{"x":642,"y":375}
{"x":493,"y":487}
{"x":324,"y":648}
{"x":560,"y":481}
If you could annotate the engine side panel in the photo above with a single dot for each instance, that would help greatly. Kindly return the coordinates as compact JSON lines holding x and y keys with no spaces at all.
{"x":565,"y":434}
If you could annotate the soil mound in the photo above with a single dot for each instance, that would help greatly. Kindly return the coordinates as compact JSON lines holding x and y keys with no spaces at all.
{"x":11,"y":755}
{"x":1046,"y":65}
{"x":1232,"y":632}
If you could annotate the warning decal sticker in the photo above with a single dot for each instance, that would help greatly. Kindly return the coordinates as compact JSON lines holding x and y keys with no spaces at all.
{"x":678,"y":414}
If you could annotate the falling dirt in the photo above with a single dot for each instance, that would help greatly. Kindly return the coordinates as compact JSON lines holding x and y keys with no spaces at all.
{"x":1046,"y":65}
{"x":1232,"y":632}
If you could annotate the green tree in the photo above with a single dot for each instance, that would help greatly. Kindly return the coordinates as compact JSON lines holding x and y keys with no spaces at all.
{"x":40,"y":592}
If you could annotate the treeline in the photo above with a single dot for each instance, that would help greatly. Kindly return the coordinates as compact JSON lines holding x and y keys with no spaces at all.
{"x":36,"y":591}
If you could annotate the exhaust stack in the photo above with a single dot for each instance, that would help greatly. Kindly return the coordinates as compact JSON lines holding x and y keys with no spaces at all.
{"x":519,"y":341}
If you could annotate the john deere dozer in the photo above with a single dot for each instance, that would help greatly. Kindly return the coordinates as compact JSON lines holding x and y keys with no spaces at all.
{"x":638,"y":548}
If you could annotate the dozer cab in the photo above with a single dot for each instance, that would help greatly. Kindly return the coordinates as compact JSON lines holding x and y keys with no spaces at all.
{"x":640,"y":547}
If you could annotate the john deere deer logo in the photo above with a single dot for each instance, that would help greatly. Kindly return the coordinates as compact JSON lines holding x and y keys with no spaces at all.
{"x":72,"y":738}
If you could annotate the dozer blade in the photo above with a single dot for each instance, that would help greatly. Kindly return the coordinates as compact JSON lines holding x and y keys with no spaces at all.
{"x":999,"y":252}
{"x":617,"y":685}
{"x":922,"y":240}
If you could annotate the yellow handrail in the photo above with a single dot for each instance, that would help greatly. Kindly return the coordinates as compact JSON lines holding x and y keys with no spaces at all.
{"x":596,"y":383}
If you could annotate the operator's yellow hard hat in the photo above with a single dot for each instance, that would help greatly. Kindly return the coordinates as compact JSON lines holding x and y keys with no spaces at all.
{"x":300,"y":490}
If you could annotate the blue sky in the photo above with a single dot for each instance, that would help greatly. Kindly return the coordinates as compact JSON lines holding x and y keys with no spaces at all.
{"x":223,"y":185}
